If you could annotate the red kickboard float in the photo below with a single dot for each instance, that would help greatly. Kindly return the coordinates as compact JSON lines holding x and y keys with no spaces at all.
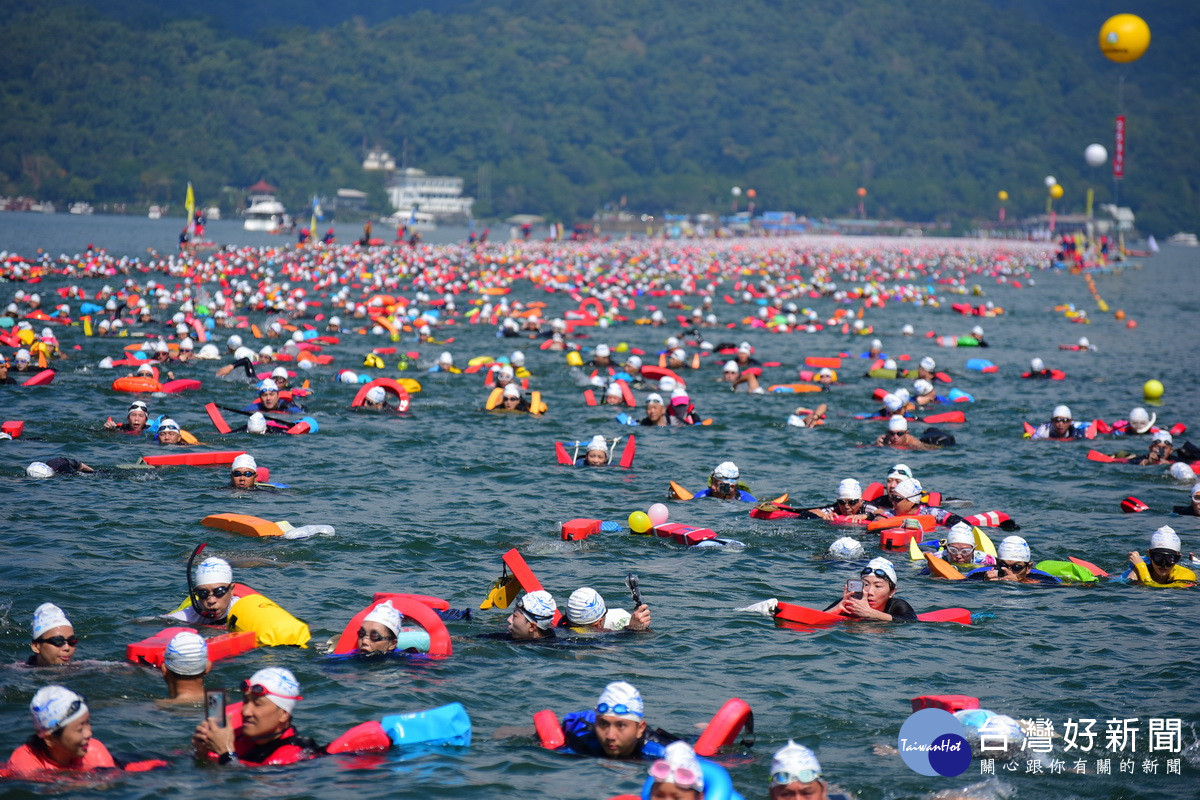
{"x":515,"y":564}
{"x":389,"y":385}
{"x":181,"y":385}
{"x":656,"y":373}
{"x":151,"y":650}
{"x":13,"y":428}
{"x":790,"y":614}
{"x":218,"y":421}
{"x":204,"y":459}
{"x":417,"y":607}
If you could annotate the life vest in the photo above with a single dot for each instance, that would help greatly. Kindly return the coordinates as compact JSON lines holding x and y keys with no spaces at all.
{"x":272,"y":625}
{"x":28,"y":761}
{"x":1181,"y":577}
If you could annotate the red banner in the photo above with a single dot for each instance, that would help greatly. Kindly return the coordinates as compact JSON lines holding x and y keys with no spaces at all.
{"x":1119,"y":148}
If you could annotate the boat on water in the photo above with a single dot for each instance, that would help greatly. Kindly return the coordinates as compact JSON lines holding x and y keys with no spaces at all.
{"x":263,"y":212}
{"x":155,"y":212}
{"x":81,"y":208}
{"x":1185,"y":239}
{"x":412,"y":219}
{"x":434,"y":198}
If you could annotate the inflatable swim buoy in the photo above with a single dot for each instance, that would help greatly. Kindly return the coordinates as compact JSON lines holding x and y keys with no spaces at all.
{"x":132,"y":383}
{"x":395,"y":388}
{"x":418,"y":608}
{"x":203,"y":459}
{"x":43,"y":378}
{"x":723,"y":729}
{"x":946,"y":702}
{"x":243,"y":525}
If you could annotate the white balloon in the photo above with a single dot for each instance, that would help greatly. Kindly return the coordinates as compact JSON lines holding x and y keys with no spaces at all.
{"x":1095,"y":155}
{"x":1050,"y":180}
{"x":735,"y":191}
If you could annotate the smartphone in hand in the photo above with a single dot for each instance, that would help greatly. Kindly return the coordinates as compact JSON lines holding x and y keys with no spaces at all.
{"x":855,"y":588}
{"x":214,"y":706}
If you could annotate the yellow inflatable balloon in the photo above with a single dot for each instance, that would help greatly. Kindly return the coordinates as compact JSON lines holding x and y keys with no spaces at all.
{"x":1003,"y":195}
{"x":1056,"y":191}
{"x":639,"y":522}
{"x":1124,"y":38}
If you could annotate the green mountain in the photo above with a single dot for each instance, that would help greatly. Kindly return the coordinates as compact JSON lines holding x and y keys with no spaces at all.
{"x":562,"y":108}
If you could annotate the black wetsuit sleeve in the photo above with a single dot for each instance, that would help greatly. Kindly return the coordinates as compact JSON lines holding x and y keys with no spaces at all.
{"x":63,"y":465}
{"x":245,"y":364}
{"x":900,"y":610}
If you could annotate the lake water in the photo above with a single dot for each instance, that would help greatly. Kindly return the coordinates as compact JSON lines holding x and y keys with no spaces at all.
{"x":428,"y":503}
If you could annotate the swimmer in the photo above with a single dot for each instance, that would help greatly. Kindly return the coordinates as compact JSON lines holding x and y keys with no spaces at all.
{"x":1161,"y":451}
{"x":731,"y":374}
{"x":375,"y":399}
{"x":281,"y":378}
{"x":1164,"y":555}
{"x":1014,"y":562}
{"x":845,"y":549}
{"x":1062,"y":425}
{"x":185,"y":663}
{"x":616,"y":728}
{"x":62,"y":738}
{"x":744,"y":356}
{"x":613,"y":396}
{"x":796,"y":774}
{"x":601,"y":358}
{"x":379,"y":630}
{"x":923,"y":393}
{"x":656,"y":412}
{"x":724,"y":484}
{"x":874,"y":595}
{"x":597,"y":452}
{"x":169,"y":432}
{"x":808,"y":417}
{"x":59,"y":465}
{"x":1140,"y":423}
{"x":511,"y":399}
{"x":826,"y":376}
{"x":677,"y":775}
{"x":1037,"y":369}
{"x":533,"y":617}
{"x":977,"y":335}
{"x":586,"y":610}
{"x":243,"y":473}
{"x":266,"y":735}
{"x":270,"y":400}
{"x":52,"y":637}
{"x":898,"y":436}
{"x":137,"y":419}
{"x":849,"y":505}
{"x":212,"y":594}
{"x":907,"y":498}
{"x":1191,"y":509}
{"x":5,"y":378}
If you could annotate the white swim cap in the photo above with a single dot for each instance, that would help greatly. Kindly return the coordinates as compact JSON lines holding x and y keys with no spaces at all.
{"x":511,"y":390}
{"x":928,"y":363}
{"x":726,"y":471}
{"x":585,"y":606}
{"x":282,"y":687}
{"x":376,"y":394}
{"x":267,"y":385}
{"x":161,"y":347}
{"x":960,"y":533}
{"x":897,"y":424}
{"x":39,"y":469}
{"x":1037,"y":365}
{"x":517,"y":358}
{"x":1084,"y":342}
{"x":598,"y":442}
{"x":603,"y":350}
{"x":345,"y":376}
{"x":654,"y":397}
{"x":849,"y":489}
{"x":901,"y":471}
{"x":1181,"y":471}
{"x":730,"y":366}
{"x":679,"y":354}
{"x":1165,"y":538}
{"x":846,"y":549}
{"x":907,"y":489}
{"x":540,"y":608}
{"x":46,"y":617}
{"x":245,"y":352}
{"x":54,"y":707}
{"x":793,"y":762}
{"x":1140,"y":420}
{"x":680,"y":761}
{"x":885,"y":566}
{"x":977,"y":331}
{"x":145,"y":369}
{"x":906,"y":329}
{"x":891,"y":402}
{"x":890,"y":364}
{"x":244,"y":461}
{"x":386,"y":615}
{"x":667,"y":384}
{"x":633,"y":362}
{"x":208,"y":352}
{"x":877,"y":344}
{"x":257,"y":423}
{"x":279,"y":372}
{"x":620,"y":693}
{"x":168,"y":424}
{"x":233,"y":342}
{"x":187,"y":344}
{"x":1013,"y":548}
{"x":1062,"y":411}
{"x":1162,"y":436}
{"x":922,"y":386}
{"x":613,"y":390}
{"x":212,"y":570}
{"x":186,"y":654}
{"x":446,"y":358}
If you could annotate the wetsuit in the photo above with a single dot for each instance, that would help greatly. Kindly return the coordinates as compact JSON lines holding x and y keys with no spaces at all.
{"x":1078,"y":430}
{"x":63,"y":465}
{"x":247,"y":365}
{"x":284,"y":407}
{"x":287,"y":749}
{"x":582,"y":740}
{"x":899,"y":609}
{"x":1185,"y":511}
{"x":667,"y":421}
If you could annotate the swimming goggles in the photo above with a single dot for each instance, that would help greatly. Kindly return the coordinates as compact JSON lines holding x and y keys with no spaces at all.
{"x":219,"y":592}
{"x":58,"y":641}
{"x":683,"y":777}
{"x":800,"y":776}
{"x":619,"y":708}
{"x":878,"y":573}
{"x":374,"y":636}
{"x":960,"y":549}
{"x":243,"y":473}
{"x":1014,"y":566}
{"x":258,"y":690}
{"x":1164,"y":558}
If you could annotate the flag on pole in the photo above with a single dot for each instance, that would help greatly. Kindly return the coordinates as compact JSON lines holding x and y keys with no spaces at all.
{"x":312,"y":225}
{"x":189,"y":203}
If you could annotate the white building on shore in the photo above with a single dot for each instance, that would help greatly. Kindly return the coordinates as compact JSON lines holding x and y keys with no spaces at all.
{"x":437,"y":195}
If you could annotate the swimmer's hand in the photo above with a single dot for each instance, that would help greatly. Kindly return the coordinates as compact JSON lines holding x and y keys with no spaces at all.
{"x":768,"y":608}
{"x":640,"y":619}
{"x":1135,"y":560}
{"x":209,"y":738}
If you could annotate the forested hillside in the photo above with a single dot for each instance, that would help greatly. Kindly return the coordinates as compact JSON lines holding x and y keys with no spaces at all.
{"x":561,"y":108}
